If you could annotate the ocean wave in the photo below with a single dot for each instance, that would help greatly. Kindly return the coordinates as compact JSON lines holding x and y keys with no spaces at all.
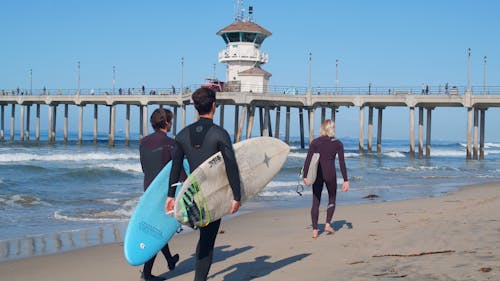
{"x":447,"y":153}
{"x":20,"y":200}
{"x":93,"y":156}
{"x":119,"y":215}
{"x":394,"y":154}
{"x":418,"y":168}
{"x":93,"y":171}
{"x":122,"y":167}
{"x":303,"y":155}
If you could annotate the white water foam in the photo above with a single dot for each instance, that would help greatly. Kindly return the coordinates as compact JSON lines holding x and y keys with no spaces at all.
{"x":123,"y":167}
{"x":26,"y":157}
{"x":19,"y":200}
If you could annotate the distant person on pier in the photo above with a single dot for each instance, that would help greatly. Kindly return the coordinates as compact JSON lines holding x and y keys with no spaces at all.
{"x":155,"y":152}
{"x":328,"y":148}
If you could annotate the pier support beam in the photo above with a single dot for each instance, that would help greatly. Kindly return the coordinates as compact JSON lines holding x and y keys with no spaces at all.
{"x":141,"y":122}
{"x":420,"y":132}
{"x":28,"y":123}
{"x":301,"y":121}
{"x":2,"y":121}
{"x":12,"y":121}
{"x":277,"y":123}
{"x":370,"y":128}
{"x":361,"y":129}
{"x":183,"y":121}
{"x":174,"y":129}
{"x":37,"y":123}
{"x":334,"y":111}
{"x":65,"y":128}
{"x":470,"y":112}
{"x":80,"y":124}
{"x":265,"y":126}
{"x":241,"y":124}
{"x":21,"y":123}
{"x":145,"y":119}
{"x":287,"y":125}
{"x":481,"y":139}
{"x":475,"y":148}
{"x":112,"y":119}
{"x":96,"y":123}
{"x":412,"y":132}
{"x":323,"y":114}
{"x":127,"y":124}
{"x":49,"y":121}
{"x":250,"y":118}
{"x":311,"y":124}
{"x":379,"y":130}
{"x":221,"y":115}
{"x":236,"y":121}
{"x":428,"y":134}
{"x":54,"y":123}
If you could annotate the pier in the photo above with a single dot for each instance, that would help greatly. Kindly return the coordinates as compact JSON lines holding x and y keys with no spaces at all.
{"x":248,"y":104}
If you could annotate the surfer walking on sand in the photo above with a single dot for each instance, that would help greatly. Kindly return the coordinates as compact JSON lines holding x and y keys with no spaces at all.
{"x":328,"y":148}
{"x":197,"y":142}
{"x":155,"y":152}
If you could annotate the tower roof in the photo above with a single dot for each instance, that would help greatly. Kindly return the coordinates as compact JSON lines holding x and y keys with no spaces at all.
{"x":244,"y":26}
{"x":255,"y":71}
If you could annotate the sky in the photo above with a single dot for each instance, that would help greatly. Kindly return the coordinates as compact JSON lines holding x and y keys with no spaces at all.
{"x":387,"y":43}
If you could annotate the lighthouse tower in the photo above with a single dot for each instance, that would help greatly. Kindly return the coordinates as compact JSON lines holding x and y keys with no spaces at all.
{"x":242,"y":54}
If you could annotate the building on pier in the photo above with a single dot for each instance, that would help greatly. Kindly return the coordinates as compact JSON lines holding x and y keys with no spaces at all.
{"x":242,"y":55}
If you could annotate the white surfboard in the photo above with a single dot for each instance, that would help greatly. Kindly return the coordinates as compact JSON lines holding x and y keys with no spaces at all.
{"x":206,"y":195}
{"x":312,"y":172}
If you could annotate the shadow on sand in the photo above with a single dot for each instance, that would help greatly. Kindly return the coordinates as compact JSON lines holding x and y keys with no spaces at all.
{"x":255,"y":269}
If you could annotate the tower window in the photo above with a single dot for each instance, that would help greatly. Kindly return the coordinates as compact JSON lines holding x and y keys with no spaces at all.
{"x":248,"y":37}
{"x":233,"y":36}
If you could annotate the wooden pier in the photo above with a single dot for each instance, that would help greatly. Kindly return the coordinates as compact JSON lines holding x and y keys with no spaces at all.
{"x":247,"y":104}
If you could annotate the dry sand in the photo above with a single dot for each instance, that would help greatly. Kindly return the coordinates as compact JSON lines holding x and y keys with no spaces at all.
{"x":454,"y":237}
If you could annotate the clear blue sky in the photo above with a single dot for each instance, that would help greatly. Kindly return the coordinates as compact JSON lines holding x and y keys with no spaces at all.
{"x":387,"y":43}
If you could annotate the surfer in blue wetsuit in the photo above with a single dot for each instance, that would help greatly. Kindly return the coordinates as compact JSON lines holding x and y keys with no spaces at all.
{"x":198,"y":142}
{"x":155,"y":152}
{"x":328,"y":148}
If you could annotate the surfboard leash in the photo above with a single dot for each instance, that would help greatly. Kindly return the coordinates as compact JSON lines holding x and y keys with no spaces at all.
{"x":299,"y":188}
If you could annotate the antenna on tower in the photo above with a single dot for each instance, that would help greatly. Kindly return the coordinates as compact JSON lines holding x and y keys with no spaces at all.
{"x":239,"y":10}
{"x":250,"y":13}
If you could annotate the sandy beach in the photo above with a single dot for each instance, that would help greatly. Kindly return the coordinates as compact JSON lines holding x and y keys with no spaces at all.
{"x":453,"y":237}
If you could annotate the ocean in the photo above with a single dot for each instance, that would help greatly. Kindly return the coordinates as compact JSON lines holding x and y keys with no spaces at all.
{"x":61,"y":196}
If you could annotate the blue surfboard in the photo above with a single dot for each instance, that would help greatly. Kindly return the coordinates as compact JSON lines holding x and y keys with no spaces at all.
{"x":150,"y":228}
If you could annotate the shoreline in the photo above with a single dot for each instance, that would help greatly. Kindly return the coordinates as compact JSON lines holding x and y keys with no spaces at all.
{"x":49,"y":243}
{"x":451,"y":237}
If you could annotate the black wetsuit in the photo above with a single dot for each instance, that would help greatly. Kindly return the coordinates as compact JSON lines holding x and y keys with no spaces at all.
{"x":328,"y":148}
{"x":155,"y":152}
{"x":198,"y":142}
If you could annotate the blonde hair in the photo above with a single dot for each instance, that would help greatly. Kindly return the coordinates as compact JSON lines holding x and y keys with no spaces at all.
{"x":327,"y":128}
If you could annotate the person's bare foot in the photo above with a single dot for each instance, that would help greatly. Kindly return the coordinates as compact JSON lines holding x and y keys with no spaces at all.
{"x":315,"y":233}
{"x":329,"y":229}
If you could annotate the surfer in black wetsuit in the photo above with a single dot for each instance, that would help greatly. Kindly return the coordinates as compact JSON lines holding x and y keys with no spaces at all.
{"x":198,"y":142}
{"x":155,"y":152}
{"x":328,"y":148}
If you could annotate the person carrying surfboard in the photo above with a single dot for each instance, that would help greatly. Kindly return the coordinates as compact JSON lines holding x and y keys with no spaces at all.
{"x":328,"y":148}
{"x":198,"y":142}
{"x":155,"y":152}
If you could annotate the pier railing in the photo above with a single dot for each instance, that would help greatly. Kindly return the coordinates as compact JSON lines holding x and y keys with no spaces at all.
{"x":273,"y":89}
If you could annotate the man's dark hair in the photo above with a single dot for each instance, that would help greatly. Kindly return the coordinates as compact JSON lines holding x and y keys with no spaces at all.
{"x":160,"y":117}
{"x":203,"y":99}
